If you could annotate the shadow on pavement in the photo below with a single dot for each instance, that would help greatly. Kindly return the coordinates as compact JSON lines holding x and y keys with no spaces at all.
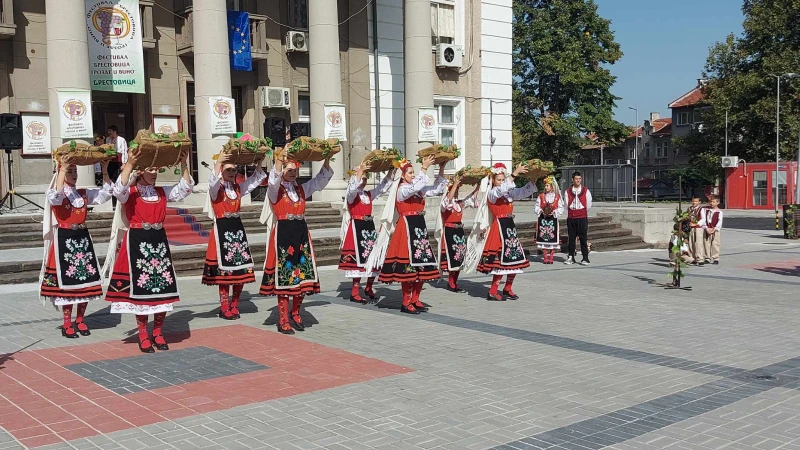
{"x":786,"y":271}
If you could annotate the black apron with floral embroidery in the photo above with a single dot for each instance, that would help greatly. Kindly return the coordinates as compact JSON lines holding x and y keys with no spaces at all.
{"x":295,"y":263}
{"x":547,"y":232}
{"x":364,"y":236}
{"x":456,"y":246}
{"x":150,"y":264}
{"x":513,"y":252}
{"x":76,"y":261}
{"x":420,"y":252}
{"x":233,"y":250}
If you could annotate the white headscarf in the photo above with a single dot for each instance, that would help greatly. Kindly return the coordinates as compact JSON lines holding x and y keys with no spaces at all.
{"x":483,"y":220}
{"x":49,"y":225}
{"x":389,"y":219}
{"x":119,"y":227}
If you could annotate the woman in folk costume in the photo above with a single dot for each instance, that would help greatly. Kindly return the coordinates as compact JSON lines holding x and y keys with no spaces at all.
{"x":548,"y":209}
{"x":291,"y":267}
{"x":450,"y":232}
{"x":70,"y":274}
{"x":229,"y":261}
{"x":143,"y":278}
{"x":502,"y":251}
{"x":358,"y":233}
{"x":403,"y":248}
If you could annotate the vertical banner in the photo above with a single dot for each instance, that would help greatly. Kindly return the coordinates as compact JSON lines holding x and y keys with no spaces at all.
{"x":75,"y":109}
{"x":166,"y":124}
{"x":335,"y":122}
{"x":239,"y":40}
{"x":116,"y":60}
{"x":36,"y":137}
{"x":223,"y":115}
{"x":428,"y":125}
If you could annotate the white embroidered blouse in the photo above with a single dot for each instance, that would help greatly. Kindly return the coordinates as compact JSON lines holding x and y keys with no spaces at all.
{"x":420,"y":186}
{"x":93,"y":196}
{"x":311,"y":186}
{"x":215,"y":182}
{"x":509,"y":190}
{"x":174,"y":193}
{"x":367,"y":196}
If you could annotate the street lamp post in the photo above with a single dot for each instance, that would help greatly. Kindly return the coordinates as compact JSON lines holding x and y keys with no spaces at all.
{"x":778,"y":137}
{"x":636,"y":157}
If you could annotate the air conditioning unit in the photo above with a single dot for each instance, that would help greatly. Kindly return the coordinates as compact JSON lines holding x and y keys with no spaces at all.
{"x":296,"y":41}
{"x":730,"y":161}
{"x":448,"y":55}
{"x":275,"y":97}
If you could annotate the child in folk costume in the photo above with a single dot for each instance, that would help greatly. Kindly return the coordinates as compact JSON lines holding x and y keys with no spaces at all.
{"x":711,"y":221}
{"x":290,"y":268}
{"x":229,"y":261}
{"x":403,"y":248}
{"x":696,"y":234}
{"x":548,"y":209}
{"x":358,"y":233}
{"x":450,"y":232}
{"x":143,"y":278}
{"x":70,"y":274}
{"x":503,"y":253}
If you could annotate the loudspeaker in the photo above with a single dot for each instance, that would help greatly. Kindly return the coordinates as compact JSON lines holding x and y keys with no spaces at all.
{"x":298,"y":129}
{"x":10,"y":131}
{"x":275,"y":129}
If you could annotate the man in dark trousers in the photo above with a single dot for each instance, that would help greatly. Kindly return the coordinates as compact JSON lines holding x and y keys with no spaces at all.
{"x":579,"y":200}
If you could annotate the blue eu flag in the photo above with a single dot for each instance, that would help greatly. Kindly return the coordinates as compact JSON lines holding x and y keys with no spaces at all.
{"x":239,"y":40}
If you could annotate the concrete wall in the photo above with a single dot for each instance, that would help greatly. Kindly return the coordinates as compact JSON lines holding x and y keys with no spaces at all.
{"x":654,"y":225}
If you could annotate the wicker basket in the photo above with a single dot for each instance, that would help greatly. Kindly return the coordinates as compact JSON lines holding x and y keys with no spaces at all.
{"x":247,"y":152}
{"x":160,"y":150}
{"x":442,"y":153}
{"x":311,"y":149}
{"x":538,"y":169}
{"x":381,"y":160}
{"x":84,"y":154}
{"x":473,"y":175}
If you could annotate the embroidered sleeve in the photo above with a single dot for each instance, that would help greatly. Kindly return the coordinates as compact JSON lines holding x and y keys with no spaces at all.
{"x":497,"y":192}
{"x":447,"y":204}
{"x":382,"y":188}
{"x":523,"y":192}
{"x":317,"y":183}
{"x":100,"y":196}
{"x":560,"y":210}
{"x":122,"y":190}
{"x":214,"y":183}
{"x":588,"y":199}
{"x":253,"y":181}
{"x":56,"y":197}
{"x":274,"y":185}
{"x":179,"y":191}
{"x":352,"y":189}
{"x":537,"y":206}
{"x":471,"y":201}
{"x":407,"y":190}
{"x":437,"y":189}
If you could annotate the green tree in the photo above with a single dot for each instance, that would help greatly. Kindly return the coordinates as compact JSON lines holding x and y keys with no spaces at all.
{"x":561,"y":81}
{"x":740,"y":81}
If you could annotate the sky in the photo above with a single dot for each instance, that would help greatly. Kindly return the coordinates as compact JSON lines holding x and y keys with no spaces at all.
{"x":665,"y":45}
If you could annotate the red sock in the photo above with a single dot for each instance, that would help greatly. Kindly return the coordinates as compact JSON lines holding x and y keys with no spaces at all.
{"x":417,"y":290}
{"x":296,"y":302}
{"x":509,"y":281}
{"x":407,"y":288}
{"x":370,"y":282}
{"x":141,"y":323}
{"x":158,"y":323}
{"x":224,"y":302}
{"x":237,"y":293}
{"x":495,"y":284}
{"x":453,"y":279}
{"x":67,"y":310}
{"x":79,"y":316}
{"x":355,"y":290}
{"x":283,"y":312}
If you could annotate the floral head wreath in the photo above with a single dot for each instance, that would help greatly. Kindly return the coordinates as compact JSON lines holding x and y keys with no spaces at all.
{"x":550,"y":180}
{"x":292,"y":161}
{"x":499,"y":168}
{"x":402,"y":164}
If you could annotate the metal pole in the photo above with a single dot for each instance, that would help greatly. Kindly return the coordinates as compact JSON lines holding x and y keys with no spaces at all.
{"x":376,"y":59}
{"x":797,"y":173}
{"x":777,"y":147}
{"x":636,"y":159}
{"x":726,"y":132}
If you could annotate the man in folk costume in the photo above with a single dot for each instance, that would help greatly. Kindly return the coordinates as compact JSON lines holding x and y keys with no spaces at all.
{"x":403,"y":248}
{"x":143,"y":279}
{"x":548,"y":209}
{"x":70,"y":273}
{"x":450,"y":232}
{"x":291,"y":268}
{"x":358,"y":233}
{"x":229,"y":261}
{"x":579,"y":200}
{"x":503,"y":253}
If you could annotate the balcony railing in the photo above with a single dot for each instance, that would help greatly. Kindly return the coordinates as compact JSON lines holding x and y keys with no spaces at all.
{"x":7,"y":27}
{"x":185,"y":35}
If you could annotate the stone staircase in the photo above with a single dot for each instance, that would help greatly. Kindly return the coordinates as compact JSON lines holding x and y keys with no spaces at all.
{"x":25,"y":231}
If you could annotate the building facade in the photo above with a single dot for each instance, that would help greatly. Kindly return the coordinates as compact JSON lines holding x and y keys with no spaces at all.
{"x":383,"y":60}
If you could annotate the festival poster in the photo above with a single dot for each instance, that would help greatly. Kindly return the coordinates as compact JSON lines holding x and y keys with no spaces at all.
{"x":223,"y":115}
{"x":116,"y":55}
{"x":36,"y":133}
{"x":75,"y":109}
{"x":335,"y":122}
{"x":166,"y":124}
{"x":428,"y":125}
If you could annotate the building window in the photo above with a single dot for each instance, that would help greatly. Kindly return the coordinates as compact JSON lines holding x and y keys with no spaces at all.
{"x":683,"y":118}
{"x":298,"y":14}
{"x":451,"y":128}
{"x":632,"y":152}
{"x":698,"y":116}
{"x":661,"y":151}
{"x":237,"y":5}
{"x":666,"y":149}
{"x":646,"y":150}
{"x":759,"y":188}
{"x":443,"y":22}
{"x":303,"y":107}
{"x":190,"y":95}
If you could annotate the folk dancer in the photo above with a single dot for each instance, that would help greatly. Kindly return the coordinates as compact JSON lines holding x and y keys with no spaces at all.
{"x":143,"y":278}
{"x":229,"y":260}
{"x":70,"y":273}
{"x":711,"y":221}
{"x":358,"y":233}
{"x":403,"y":250}
{"x":502,"y":252}
{"x":579,"y":200}
{"x":548,"y":209}
{"x":450,"y":232}
{"x":290,"y":269}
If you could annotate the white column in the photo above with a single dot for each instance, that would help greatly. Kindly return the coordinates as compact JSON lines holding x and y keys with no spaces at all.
{"x":418,"y":67}
{"x":212,"y":78}
{"x":67,"y":65}
{"x":325,"y":83}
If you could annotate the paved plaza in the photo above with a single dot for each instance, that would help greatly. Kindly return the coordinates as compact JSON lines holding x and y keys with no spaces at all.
{"x":588,"y":358}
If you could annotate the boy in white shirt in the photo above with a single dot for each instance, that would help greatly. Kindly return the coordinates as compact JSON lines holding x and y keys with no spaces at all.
{"x":711,"y":220}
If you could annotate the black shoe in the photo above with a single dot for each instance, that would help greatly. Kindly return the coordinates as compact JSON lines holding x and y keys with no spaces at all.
{"x":148,"y":349}
{"x":67,"y":334}
{"x":421,"y":308}
{"x":356,"y":300}
{"x":371,"y":294}
{"x":701,"y":264}
{"x":85,"y":332}
{"x":298,"y":325}
{"x":585,"y":262}
{"x":226,"y":317}
{"x":495,"y":298}
{"x":162,"y":347}
{"x":716,"y":263}
{"x":456,"y":289}
{"x":510,"y":296}
{"x":285,"y":330}
{"x":409,"y":309}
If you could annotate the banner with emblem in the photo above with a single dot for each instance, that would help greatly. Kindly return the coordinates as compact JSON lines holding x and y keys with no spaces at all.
{"x":222,"y":112}
{"x":428,"y":125}
{"x":116,"y":56}
{"x":36,"y":133}
{"x":335,"y":122}
{"x":75,"y":113}
{"x":166,"y":124}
